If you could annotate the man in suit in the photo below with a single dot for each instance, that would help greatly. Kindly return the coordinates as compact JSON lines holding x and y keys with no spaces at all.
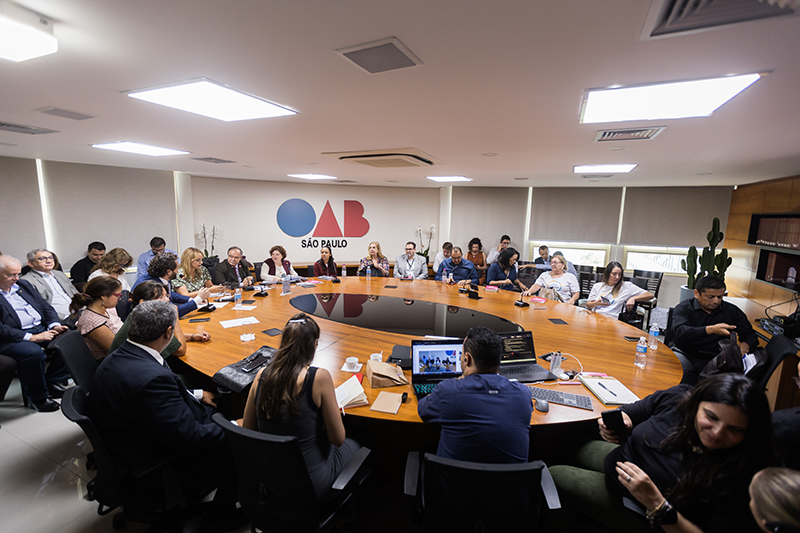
{"x":234,"y":271}
{"x":163,"y":269}
{"x":410,"y":265}
{"x":82,"y":268}
{"x":145,"y":414}
{"x":27,"y":324}
{"x":544,"y":256}
{"x":52,"y":285}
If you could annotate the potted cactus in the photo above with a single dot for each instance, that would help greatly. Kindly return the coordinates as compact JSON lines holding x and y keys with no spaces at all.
{"x":709,"y":263}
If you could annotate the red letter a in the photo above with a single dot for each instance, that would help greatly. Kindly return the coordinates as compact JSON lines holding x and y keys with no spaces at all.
{"x":327,"y":225}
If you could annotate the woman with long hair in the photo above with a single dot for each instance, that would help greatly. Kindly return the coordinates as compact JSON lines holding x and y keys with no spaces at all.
{"x":613,"y":293}
{"x":502,"y":272}
{"x":378,"y":263}
{"x":325,"y":265}
{"x":775,"y":500}
{"x":687,"y":459}
{"x":478,"y":258}
{"x":558,"y":279}
{"x":95,"y":323}
{"x":192,"y":275}
{"x":291,"y":397}
{"x":114,"y":264}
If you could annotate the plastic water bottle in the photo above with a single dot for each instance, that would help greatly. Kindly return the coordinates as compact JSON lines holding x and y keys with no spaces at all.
{"x":344,"y":272}
{"x":640,"y":361}
{"x":444,"y":276}
{"x":237,"y":298}
{"x":653,"y":340}
{"x":450,"y":279}
{"x":369,"y":273}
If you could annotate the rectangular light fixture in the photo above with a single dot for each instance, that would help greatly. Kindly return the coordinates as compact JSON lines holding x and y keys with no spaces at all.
{"x":138,"y":148}
{"x":603,"y":169}
{"x":24,"y":34}
{"x":683,"y":99}
{"x":211,"y":99}
{"x":312,"y":176}
{"x":448,"y":179}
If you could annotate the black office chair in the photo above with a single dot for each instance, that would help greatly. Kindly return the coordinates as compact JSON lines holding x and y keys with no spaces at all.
{"x":275,"y":490}
{"x":654,"y":280}
{"x":669,"y":335}
{"x":584,"y":268}
{"x":8,"y":369}
{"x":124,"y":305}
{"x":453,"y":495}
{"x":257,"y":270}
{"x":587,"y":281}
{"x":778,"y":348}
{"x":116,"y":486}
{"x":310,"y":271}
{"x":76,"y":354}
{"x":528,"y":275}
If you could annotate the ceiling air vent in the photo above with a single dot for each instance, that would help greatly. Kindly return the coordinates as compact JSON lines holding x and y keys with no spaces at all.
{"x":344,"y":181}
{"x":64,"y":113}
{"x":596,"y":176}
{"x":212,"y":160}
{"x":380,"y":56}
{"x":671,"y":17}
{"x":19,"y":128}
{"x":635,"y":134}
{"x":390,"y":158}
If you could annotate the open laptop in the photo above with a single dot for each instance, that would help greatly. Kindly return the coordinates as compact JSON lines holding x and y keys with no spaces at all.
{"x":432,"y":361}
{"x":518,"y":359}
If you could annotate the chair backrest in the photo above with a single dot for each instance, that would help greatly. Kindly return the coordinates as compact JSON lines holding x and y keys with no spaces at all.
{"x":778,"y":348}
{"x":640,"y":282}
{"x":528,"y":275}
{"x":653,"y":280}
{"x":669,"y":335}
{"x":77,"y":356}
{"x":587,"y":281}
{"x":257,"y":270}
{"x":465,"y":496}
{"x":275,"y":490}
{"x":124,"y":305}
{"x":310,"y":271}
{"x":584,"y":268}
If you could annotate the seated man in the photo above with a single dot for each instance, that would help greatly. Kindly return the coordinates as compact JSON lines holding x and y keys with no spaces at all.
{"x":27,"y":325}
{"x":157,"y":246}
{"x":234,"y":271}
{"x":81,"y":269}
{"x":700,"y":323}
{"x":163,"y":269}
{"x":544,"y":256}
{"x":411,"y":265}
{"x":485,"y":418}
{"x":441,"y":256}
{"x":52,"y":285}
{"x":463,"y":270}
{"x":494,"y":254}
{"x":144,"y":413}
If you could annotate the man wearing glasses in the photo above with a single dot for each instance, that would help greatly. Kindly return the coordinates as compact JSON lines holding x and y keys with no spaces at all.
{"x":52,"y":285}
{"x":410,"y":265}
{"x":27,"y":324}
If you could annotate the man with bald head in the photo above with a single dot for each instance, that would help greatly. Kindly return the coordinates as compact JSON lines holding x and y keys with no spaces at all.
{"x":27,"y":324}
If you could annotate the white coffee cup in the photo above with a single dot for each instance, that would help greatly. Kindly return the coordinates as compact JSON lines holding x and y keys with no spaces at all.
{"x":376,"y":357}
{"x":351,"y":362}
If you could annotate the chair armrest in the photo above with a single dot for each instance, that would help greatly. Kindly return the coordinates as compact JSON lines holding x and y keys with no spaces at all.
{"x":350,"y":469}
{"x":412,"y":474}
{"x":153,"y":465}
{"x":549,"y":489}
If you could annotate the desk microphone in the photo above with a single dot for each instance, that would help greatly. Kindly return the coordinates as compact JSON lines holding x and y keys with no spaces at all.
{"x":520,"y":303}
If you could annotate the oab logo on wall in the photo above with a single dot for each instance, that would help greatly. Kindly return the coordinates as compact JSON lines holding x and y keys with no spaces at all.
{"x":297,"y":218}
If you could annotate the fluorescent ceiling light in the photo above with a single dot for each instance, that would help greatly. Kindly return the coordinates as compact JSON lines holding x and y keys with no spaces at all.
{"x":448,"y":179}
{"x":210,"y":99}
{"x":312,"y":176}
{"x":24,"y":34}
{"x":698,"y":98}
{"x":137,"y":148}
{"x":601,"y":169}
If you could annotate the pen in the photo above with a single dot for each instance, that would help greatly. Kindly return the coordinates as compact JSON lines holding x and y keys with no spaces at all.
{"x":599,"y":383}
{"x":342,"y":411}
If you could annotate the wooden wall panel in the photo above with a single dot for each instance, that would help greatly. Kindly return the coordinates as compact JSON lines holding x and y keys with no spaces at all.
{"x":738,"y":226}
{"x":794,"y":201}
{"x":777,"y":197}
{"x":748,"y":199}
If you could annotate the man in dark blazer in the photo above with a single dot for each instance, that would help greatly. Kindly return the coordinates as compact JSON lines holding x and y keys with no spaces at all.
{"x":162,"y":269}
{"x":234,"y":271}
{"x":27,"y":324}
{"x":144,"y":413}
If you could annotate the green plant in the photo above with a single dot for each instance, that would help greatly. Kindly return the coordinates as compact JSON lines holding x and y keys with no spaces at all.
{"x":710,"y":262}
{"x":204,"y":234}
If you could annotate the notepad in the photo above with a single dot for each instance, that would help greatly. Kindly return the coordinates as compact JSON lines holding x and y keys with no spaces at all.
{"x":238,"y":322}
{"x":387,"y":402}
{"x":608,"y":390}
{"x":350,"y":394}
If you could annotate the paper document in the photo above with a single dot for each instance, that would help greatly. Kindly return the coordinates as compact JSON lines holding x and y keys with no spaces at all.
{"x":608,"y":390}
{"x":387,"y":402}
{"x":749,"y":361}
{"x":243,"y":307}
{"x":350,"y":394}
{"x":219,"y":305}
{"x":239,"y":322}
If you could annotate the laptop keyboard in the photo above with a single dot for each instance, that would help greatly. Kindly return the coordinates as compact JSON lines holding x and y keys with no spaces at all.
{"x":563,"y":398}
{"x":522,"y":369}
{"x":423,"y":389}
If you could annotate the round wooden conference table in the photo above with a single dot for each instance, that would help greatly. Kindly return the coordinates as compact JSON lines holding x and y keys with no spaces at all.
{"x":595,"y":340}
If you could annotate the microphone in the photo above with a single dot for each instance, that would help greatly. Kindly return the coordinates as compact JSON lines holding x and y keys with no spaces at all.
{"x":520,"y":303}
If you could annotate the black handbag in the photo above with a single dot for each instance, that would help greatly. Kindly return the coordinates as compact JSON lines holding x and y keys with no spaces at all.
{"x":238,"y":376}
{"x":730,"y":360}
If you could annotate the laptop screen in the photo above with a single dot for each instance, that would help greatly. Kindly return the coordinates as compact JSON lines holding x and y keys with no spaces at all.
{"x":436,"y":357}
{"x":517,"y":345}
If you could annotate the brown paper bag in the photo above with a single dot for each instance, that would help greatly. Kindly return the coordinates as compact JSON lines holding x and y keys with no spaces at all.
{"x":384,"y":374}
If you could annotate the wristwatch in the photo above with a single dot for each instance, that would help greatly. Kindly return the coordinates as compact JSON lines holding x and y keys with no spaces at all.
{"x":663,"y":514}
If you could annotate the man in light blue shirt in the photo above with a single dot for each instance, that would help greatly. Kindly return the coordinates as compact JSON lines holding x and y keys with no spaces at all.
{"x":157,"y":246}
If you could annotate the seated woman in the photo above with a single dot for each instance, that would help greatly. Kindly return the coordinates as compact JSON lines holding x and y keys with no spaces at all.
{"x":276,"y":267}
{"x":478,"y":258}
{"x":294,"y":398}
{"x":609,"y":297}
{"x":687,"y":460}
{"x":378,"y":263}
{"x":565,"y":284}
{"x":114,"y":264}
{"x":153,"y":290}
{"x":774,"y":500}
{"x":503,"y":274}
{"x":95,"y":323}
{"x":192,"y":275}
{"x":325,"y":265}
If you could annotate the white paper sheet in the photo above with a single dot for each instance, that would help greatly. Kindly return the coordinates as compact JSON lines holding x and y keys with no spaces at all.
{"x":238,"y":322}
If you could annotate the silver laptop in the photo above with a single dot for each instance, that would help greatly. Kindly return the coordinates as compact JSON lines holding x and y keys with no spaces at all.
{"x":518,"y":361}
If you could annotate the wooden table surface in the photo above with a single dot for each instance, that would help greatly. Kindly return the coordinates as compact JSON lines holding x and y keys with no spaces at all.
{"x":596,"y":341}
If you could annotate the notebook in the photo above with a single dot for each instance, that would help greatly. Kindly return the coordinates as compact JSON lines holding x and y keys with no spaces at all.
{"x":432,"y":361}
{"x":518,"y":359}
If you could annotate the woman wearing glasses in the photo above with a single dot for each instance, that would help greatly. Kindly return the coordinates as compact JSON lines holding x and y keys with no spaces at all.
{"x":95,"y":323}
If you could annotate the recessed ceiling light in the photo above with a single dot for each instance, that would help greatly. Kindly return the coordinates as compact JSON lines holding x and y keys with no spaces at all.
{"x":617,"y":148}
{"x":696,"y":98}
{"x":489,"y":154}
{"x":312,"y":176}
{"x":593,"y":169}
{"x":210,"y":99}
{"x":137,"y":148}
{"x":448,"y":179}
{"x":24,"y":34}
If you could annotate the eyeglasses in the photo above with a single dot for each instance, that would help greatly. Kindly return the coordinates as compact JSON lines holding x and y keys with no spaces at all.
{"x":45,"y":258}
{"x":117,"y":294}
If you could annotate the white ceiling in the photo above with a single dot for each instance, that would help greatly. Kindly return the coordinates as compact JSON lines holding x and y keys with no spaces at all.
{"x":503,"y":76}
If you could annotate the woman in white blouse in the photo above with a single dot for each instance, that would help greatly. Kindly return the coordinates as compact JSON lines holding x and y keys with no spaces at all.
{"x":558,"y":279}
{"x":612,"y":294}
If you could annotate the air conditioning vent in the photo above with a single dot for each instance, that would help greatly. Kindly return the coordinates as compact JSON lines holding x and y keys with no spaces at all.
{"x":19,"y":128}
{"x":521,"y":179}
{"x":390,"y":158}
{"x":596,"y":176}
{"x":380,"y":56}
{"x":344,"y":181}
{"x":635,"y":134}
{"x":212,"y":160}
{"x":64,"y":113}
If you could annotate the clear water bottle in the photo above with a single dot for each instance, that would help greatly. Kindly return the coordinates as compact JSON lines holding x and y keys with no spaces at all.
{"x":369,"y":273}
{"x":640,"y":361}
{"x":653,"y":340}
{"x":450,"y":279}
{"x":444,"y":276}
{"x":237,"y":298}
{"x":344,"y":272}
